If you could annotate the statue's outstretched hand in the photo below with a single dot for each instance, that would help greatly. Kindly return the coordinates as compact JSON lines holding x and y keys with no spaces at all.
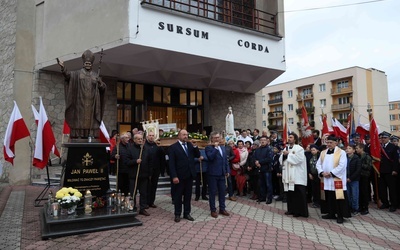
{"x":61,"y":63}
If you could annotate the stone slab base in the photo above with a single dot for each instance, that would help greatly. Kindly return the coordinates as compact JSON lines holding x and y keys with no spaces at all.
{"x":79,"y":223}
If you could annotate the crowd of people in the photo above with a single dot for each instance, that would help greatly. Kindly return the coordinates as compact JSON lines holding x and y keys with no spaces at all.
{"x":340,"y":180}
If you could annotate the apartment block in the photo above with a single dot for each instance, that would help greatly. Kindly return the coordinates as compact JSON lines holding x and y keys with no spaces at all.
{"x":394,"y":117}
{"x":334,"y":93}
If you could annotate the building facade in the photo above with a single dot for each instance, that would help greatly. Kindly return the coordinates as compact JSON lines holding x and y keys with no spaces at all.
{"x":336,"y":94}
{"x":185,"y":61}
{"x":394,"y":118}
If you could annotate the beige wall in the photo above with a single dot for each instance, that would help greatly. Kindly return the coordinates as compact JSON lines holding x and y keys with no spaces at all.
{"x":79,"y":26}
{"x":396,"y":122}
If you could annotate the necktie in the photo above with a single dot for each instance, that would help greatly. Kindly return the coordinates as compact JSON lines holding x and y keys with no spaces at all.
{"x":185,"y":147}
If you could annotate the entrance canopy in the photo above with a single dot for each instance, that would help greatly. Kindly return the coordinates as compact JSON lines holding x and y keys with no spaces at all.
{"x":136,"y":63}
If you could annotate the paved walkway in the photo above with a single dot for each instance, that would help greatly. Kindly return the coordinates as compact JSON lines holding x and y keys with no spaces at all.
{"x":251,"y":226}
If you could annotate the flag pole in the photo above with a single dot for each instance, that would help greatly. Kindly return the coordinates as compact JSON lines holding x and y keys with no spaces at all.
{"x":62,"y":142}
{"x":378,"y":200}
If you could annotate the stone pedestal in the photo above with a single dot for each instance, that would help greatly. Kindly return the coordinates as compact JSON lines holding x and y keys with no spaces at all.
{"x":87,"y":167}
{"x":98,"y":220}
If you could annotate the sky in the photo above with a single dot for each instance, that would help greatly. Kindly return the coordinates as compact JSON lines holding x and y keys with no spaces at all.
{"x":332,"y":38}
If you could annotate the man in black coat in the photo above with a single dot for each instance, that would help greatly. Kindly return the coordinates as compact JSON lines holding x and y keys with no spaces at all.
{"x":120,"y":154}
{"x":139,"y":167}
{"x":183,"y":171}
{"x":388,"y":173}
{"x":156,"y":159}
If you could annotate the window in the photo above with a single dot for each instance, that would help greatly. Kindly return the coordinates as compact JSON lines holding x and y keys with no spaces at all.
{"x":308,"y":104}
{"x":399,"y":116}
{"x":290,"y":93}
{"x":279,"y":108}
{"x":391,"y":106}
{"x":277,"y":96}
{"x":392,"y":117}
{"x":344,"y":100}
{"x":343,"y":116}
{"x":322,"y":102}
{"x":263,"y":111}
{"x":322,"y":87}
{"x":291,"y":121}
{"x":263,"y":98}
{"x":307,"y":91}
{"x":264,"y":123}
{"x":343,"y":84}
{"x":290,"y":107}
{"x":393,"y":128}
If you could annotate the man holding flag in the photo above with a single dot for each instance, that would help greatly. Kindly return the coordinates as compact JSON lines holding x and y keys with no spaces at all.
{"x":389,"y":168}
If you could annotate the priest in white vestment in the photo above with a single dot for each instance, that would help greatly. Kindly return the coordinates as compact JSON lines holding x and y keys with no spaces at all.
{"x":294,"y":177}
{"x":331,"y":167}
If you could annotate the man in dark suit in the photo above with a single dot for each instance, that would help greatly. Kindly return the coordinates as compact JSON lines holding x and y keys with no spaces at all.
{"x":217,"y":172}
{"x":317,"y":139}
{"x":183,"y":171}
{"x":388,"y":173}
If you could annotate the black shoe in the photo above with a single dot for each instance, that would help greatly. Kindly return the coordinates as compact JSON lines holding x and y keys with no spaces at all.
{"x":384,"y":206}
{"x":364,"y":212}
{"x":288,"y":213}
{"x":188,"y":217}
{"x":328,"y":217}
{"x":261,"y":200}
{"x":177,"y":218}
{"x":269,"y":201}
{"x":279,"y":198}
{"x":392,"y":209}
{"x":144,"y":212}
{"x":204,"y":198}
{"x":339,"y":220}
{"x":197,"y":198}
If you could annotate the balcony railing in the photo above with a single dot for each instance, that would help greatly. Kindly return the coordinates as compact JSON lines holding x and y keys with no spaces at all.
{"x":275,"y":101}
{"x":310,"y":110}
{"x":275,"y":114}
{"x":238,"y":13}
{"x":275,"y":127}
{"x":338,"y":91}
{"x":301,"y":97}
{"x":312,"y":124}
{"x":337,"y":107}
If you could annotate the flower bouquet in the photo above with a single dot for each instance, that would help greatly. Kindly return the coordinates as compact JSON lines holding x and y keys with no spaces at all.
{"x":68,"y":198}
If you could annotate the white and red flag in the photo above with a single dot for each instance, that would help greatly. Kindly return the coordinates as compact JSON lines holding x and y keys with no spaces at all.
{"x":36,"y":115}
{"x":306,"y":132}
{"x":340,"y":131}
{"x":362,"y":129}
{"x":16,"y":130}
{"x":104,"y":136}
{"x":45,"y":139}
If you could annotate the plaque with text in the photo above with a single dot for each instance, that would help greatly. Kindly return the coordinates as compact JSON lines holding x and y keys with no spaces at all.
{"x":87,"y":167}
